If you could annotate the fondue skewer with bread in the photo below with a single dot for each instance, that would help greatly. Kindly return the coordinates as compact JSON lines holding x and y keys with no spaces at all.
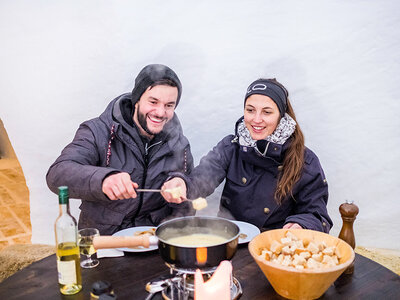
{"x":176,"y":192}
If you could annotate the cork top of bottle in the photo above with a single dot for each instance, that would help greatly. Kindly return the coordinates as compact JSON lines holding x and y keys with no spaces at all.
{"x":63,"y":195}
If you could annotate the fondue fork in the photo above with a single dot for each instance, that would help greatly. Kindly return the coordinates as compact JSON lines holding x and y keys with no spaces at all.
{"x":198,"y":203}
{"x":149,"y":190}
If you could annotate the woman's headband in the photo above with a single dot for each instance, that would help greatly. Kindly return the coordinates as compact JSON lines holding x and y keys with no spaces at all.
{"x":268,"y":87}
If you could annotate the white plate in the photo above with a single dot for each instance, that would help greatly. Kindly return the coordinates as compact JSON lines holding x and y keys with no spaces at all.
{"x":130,"y":232}
{"x":248,"y":229}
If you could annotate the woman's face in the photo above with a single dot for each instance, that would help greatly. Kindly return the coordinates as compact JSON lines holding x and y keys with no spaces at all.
{"x":261,"y":116}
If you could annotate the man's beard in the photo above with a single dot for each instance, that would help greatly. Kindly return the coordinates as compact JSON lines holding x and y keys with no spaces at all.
{"x":142,"y":122}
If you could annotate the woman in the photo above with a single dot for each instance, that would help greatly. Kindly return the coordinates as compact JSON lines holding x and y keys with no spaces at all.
{"x":272,"y":179}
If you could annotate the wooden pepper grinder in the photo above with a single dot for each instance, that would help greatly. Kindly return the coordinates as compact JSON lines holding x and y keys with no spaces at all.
{"x":348,"y":212}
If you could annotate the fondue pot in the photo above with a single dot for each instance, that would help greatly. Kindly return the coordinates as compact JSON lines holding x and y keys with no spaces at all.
{"x":180,"y":256}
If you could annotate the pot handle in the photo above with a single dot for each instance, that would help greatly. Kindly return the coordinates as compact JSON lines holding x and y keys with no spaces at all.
{"x":108,"y":241}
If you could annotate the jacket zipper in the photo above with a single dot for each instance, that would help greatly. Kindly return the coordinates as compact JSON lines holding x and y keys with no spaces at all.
{"x":265,"y":151}
{"x":146,"y":163}
{"x":236,"y":140}
{"x":146,"y":148}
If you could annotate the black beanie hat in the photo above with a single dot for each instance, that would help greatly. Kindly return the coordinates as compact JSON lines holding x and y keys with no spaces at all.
{"x":270,"y":88}
{"x":151,"y":74}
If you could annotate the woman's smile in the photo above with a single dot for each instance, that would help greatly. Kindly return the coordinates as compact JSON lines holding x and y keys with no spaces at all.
{"x":257,"y":129}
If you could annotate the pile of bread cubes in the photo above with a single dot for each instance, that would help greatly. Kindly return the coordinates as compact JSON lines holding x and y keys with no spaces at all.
{"x":291,"y":251}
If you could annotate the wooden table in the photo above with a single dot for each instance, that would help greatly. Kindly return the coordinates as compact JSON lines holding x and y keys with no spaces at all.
{"x":130,"y":273}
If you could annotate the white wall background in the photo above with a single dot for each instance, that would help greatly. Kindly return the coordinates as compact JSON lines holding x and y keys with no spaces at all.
{"x":61,"y":62}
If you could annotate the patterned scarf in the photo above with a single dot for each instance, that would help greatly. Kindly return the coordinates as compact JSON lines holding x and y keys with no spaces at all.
{"x":282,"y":132}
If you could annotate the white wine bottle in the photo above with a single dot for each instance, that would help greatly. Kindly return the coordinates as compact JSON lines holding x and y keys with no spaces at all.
{"x":67,"y":248}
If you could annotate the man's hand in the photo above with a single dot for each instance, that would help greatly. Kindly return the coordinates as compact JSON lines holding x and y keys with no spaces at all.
{"x":173,"y":184}
{"x":119,"y":186}
{"x":292,"y":226}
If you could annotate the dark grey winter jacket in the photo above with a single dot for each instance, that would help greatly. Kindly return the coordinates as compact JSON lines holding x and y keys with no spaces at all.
{"x":109,"y":144}
{"x":251,"y":181}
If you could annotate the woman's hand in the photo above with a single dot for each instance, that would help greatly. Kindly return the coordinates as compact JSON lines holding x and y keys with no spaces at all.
{"x":174,"y":190}
{"x":119,"y":186}
{"x":292,"y":226}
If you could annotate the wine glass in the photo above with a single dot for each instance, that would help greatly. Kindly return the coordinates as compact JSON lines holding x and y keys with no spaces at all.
{"x":86,"y":236}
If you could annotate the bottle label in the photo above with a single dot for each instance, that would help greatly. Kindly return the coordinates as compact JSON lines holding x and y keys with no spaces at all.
{"x":66,"y":272}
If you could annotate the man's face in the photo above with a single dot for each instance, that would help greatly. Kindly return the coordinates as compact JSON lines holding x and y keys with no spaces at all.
{"x":155,"y":108}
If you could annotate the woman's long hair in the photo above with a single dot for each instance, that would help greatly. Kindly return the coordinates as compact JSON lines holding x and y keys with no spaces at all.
{"x":294,"y":158}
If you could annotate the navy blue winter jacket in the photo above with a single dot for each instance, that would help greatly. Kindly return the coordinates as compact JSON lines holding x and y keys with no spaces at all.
{"x":251,"y":181}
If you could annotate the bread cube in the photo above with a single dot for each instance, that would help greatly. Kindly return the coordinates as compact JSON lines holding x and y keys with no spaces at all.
{"x":292,"y":236}
{"x":317,"y":257}
{"x":322,"y":245}
{"x":298,"y":260}
{"x":305,"y":254}
{"x":199,"y":203}
{"x":276,"y":247}
{"x":286,"y":241}
{"x":287,"y":260}
{"x":266,"y":254}
{"x":328,"y":251}
{"x":313,"y":248}
{"x":312,"y":264}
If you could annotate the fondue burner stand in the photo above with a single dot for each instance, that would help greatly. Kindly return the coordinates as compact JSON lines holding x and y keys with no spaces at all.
{"x":181,"y":287}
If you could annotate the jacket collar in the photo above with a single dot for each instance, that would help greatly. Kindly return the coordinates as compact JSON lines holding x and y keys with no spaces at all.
{"x":263,"y":148}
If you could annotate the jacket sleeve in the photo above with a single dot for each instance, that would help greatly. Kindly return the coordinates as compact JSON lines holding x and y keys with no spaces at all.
{"x":211,"y":171}
{"x":78,"y":167}
{"x":311,"y":199}
{"x":185,"y":208}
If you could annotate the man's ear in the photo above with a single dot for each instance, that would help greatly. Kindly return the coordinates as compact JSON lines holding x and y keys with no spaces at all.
{"x":135,"y":108}
{"x":134,"y":117}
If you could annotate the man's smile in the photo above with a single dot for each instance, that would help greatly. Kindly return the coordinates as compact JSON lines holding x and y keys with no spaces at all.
{"x":155,"y":119}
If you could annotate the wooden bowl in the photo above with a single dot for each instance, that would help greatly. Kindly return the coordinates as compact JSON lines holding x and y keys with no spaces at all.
{"x":293,"y":283}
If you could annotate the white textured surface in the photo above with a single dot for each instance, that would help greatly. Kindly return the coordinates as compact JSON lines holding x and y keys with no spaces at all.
{"x":63,"y":61}
{"x":109,"y":253}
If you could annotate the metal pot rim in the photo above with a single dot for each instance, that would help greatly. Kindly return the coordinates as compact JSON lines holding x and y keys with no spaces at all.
{"x":162,"y":225}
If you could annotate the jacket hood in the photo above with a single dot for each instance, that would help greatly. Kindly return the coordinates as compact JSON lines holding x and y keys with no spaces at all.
{"x":237,"y":125}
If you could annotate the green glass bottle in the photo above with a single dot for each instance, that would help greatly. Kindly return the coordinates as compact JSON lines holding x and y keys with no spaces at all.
{"x":67,"y":248}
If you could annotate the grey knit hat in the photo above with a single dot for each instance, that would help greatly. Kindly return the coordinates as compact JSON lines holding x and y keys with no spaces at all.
{"x":151,"y":74}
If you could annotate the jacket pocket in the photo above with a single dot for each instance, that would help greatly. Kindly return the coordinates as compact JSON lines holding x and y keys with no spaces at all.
{"x":239,"y":177}
{"x":237,"y":190}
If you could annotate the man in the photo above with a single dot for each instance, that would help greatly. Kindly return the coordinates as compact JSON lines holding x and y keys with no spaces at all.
{"x":134,"y":143}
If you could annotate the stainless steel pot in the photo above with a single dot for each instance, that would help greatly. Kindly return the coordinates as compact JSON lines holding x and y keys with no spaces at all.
{"x":197,"y":256}
{"x":184,"y":256}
